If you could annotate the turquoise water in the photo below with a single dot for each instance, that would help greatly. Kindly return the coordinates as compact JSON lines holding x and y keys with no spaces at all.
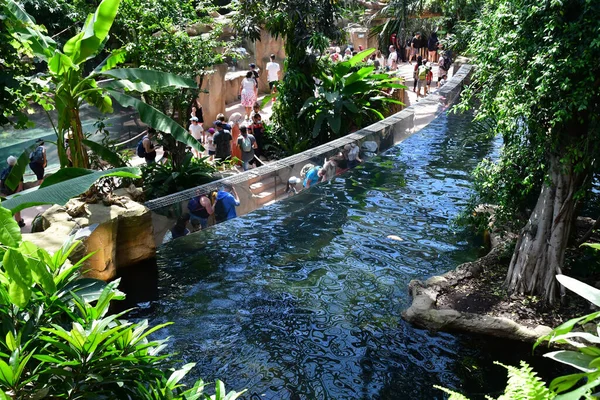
{"x":302,"y":299}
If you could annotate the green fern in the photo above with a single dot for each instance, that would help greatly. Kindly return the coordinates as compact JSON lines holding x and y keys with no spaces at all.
{"x":524,"y":384}
{"x":453,"y":395}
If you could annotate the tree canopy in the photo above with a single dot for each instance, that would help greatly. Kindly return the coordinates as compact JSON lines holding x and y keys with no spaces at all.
{"x":538,"y":77}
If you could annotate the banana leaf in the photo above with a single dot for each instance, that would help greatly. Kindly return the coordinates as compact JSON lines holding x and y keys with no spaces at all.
{"x":156,"y":119}
{"x":154,"y":79}
{"x":17,"y":172}
{"x":105,"y":153}
{"x":94,"y":33}
{"x":64,"y":188}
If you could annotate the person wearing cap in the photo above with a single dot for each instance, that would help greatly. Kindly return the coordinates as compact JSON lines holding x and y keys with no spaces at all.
{"x":310,"y":174}
{"x":6,"y":191}
{"x":255,"y":74}
{"x":291,"y":185}
{"x":38,"y":161}
{"x":222,"y":141}
{"x":273,"y":71}
{"x":210,"y":143}
{"x":226,"y":201}
{"x":248,"y":92}
{"x":221,"y":117}
{"x":197,"y":133}
{"x":246,"y":143}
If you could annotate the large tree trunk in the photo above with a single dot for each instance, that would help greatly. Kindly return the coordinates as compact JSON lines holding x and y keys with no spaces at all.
{"x":540,"y":251}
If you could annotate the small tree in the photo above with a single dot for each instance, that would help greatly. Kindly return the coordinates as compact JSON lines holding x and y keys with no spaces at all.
{"x":72,"y":87}
{"x":537,"y":73}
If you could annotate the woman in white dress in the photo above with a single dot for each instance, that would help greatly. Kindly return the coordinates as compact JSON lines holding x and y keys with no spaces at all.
{"x":248,"y":93}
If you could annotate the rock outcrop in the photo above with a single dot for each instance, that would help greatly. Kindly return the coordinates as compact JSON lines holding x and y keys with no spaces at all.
{"x":124,"y":235}
{"x":425,"y":312}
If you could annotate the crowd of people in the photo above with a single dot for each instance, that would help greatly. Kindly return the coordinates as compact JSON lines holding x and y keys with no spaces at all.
{"x":407,"y":53}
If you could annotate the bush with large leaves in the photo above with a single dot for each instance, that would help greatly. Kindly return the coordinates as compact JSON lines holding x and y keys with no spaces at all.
{"x":350,"y":95}
{"x":57,"y":339}
{"x":71,"y":88}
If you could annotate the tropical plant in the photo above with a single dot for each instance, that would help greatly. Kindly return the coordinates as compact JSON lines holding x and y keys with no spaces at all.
{"x":71,"y":88}
{"x":306,"y":27}
{"x":545,"y":96}
{"x":583,"y":354}
{"x":349,"y":95}
{"x":57,"y":339}
{"x":163,"y":179}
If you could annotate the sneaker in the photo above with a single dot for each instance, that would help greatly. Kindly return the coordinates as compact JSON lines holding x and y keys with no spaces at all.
{"x":22,"y":224}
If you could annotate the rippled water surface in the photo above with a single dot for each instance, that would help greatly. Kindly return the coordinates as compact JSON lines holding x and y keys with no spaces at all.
{"x":302,"y":299}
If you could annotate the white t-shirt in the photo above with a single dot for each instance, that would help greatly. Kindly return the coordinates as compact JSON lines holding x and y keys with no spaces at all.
{"x":392,"y":58}
{"x":381,"y":61}
{"x":272,"y":70}
{"x":196,"y":131}
{"x":353,"y":153}
{"x":248,"y":84}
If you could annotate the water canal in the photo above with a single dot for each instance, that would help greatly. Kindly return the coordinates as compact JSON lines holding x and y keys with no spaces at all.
{"x":302,"y":299}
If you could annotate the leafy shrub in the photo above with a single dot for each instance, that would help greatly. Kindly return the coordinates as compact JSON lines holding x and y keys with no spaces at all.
{"x":163,"y":179}
{"x":57,"y":339}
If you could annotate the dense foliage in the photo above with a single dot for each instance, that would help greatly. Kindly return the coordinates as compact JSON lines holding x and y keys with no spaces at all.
{"x":306,"y":28}
{"x":58,"y":340}
{"x":350,"y":95}
{"x":537,"y":76}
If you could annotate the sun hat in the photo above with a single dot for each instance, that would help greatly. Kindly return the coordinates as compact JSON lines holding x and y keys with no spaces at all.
{"x":11,"y":160}
{"x":211,"y":130}
{"x":193,"y":119}
{"x":294,"y":180}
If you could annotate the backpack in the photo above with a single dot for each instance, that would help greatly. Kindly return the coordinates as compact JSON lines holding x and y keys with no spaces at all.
{"x":140,"y":150}
{"x":445,"y":63}
{"x":220,"y":212}
{"x":37,"y":156}
{"x":3,"y":176}
{"x":422,"y":72}
{"x":246,"y":144}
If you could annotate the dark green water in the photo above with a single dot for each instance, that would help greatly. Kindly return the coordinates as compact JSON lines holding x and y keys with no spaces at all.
{"x":302,"y":300}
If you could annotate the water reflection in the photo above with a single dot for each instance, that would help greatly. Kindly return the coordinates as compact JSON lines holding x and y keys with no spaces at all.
{"x":302,"y":299}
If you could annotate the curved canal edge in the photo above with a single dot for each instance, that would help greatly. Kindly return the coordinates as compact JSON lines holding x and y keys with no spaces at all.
{"x":262,"y":186}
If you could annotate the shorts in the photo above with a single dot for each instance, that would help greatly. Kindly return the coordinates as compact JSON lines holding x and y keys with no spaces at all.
{"x":420,"y":83}
{"x":272,"y":84}
{"x":38,"y":170}
{"x":414,"y":51}
{"x":212,"y":152}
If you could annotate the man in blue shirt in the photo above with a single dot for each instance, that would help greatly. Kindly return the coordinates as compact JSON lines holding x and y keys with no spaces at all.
{"x":227,"y":201}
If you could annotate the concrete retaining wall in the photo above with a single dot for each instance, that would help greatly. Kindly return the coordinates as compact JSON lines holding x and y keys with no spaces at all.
{"x":261,"y":186}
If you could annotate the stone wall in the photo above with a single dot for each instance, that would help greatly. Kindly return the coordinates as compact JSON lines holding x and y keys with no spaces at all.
{"x":261,"y":186}
{"x":124,"y":235}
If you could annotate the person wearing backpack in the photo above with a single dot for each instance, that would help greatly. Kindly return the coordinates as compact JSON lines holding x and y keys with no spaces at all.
{"x":200,"y":208}
{"x":145,"y":147}
{"x":416,"y":73}
{"x":247,"y":143}
{"x":422,"y":78}
{"x":38,"y":161}
{"x":226,"y":201}
{"x":444,"y":65}
{"x":6,"y":191}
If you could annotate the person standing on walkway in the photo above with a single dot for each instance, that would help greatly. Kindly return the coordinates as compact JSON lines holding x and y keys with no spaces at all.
{"x":415,"y":47}
{"x":222,"y":140}
{"x":432,"y":46}
{"x":197,"y":133}
{"x":150,"y":151}
{"x":392,"y":61}
{"x":273,"y":73}
{"x":248,"y":93}
{"x":6,"y":191}
{"x":197,"y":112}
{"x":247,"y":144}
{"x":38,"y":161}
{"x":226,"y":201}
